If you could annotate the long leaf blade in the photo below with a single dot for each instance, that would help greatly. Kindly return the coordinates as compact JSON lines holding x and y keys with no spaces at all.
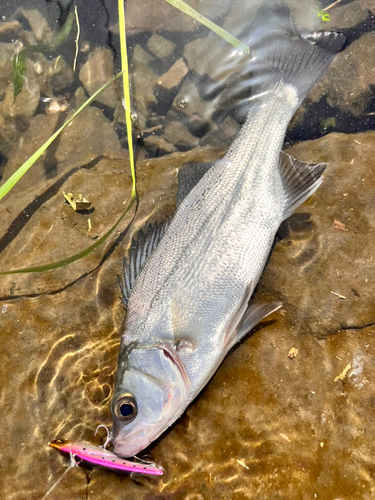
{"x":77,"y":256}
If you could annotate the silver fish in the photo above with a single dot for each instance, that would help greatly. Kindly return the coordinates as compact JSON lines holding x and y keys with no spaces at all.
{"x":188,"y":284}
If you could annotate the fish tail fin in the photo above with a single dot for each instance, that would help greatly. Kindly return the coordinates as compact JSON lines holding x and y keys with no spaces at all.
{"x":301,"y":61}
{"x":299,"y":180}
{"x":278,"y":53}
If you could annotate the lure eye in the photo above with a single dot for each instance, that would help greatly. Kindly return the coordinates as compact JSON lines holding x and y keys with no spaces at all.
{"x":126,"y":408}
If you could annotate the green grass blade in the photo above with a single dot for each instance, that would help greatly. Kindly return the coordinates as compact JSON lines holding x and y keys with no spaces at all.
{"x":63,"y":33}
{"x":77,"y":256}
{"x":184,"y":7}
{"x":7,"y":186}
{"x":19,"y":72}
{"x":126,"y":85}
{"x":19,"y":59}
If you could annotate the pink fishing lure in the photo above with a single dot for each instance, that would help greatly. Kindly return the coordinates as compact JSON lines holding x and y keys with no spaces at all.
{"x":100,"y":456}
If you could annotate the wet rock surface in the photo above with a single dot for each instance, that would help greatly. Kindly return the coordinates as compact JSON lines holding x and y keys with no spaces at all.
{"x":267,"y":426}
{"x":289,"y":414}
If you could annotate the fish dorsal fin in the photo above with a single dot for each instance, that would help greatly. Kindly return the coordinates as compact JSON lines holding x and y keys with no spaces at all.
{"x":142,"y":245}
{"x":188,"y":176}
{"x":299,"y":179}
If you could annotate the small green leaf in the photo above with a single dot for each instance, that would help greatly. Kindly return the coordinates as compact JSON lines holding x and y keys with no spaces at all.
{"x":19,"y":72}
{"x":325,"y":17}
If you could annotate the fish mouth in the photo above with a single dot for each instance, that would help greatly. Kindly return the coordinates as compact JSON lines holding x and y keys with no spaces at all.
{"x":131,"y":444}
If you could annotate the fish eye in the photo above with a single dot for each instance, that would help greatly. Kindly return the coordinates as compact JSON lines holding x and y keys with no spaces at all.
{"x":126,"y":408}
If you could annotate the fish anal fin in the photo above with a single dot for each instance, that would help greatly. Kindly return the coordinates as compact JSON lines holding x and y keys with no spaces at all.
{"x":299,"y":179}
{"x":188,"y":176}
{"x":142,"y":245}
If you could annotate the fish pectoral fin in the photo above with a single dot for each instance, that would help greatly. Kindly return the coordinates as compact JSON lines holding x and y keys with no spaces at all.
{"x":299,"y":180}
{"x":188,"y":177}
{"x":254,"y":313}
{"x":142,"y":245}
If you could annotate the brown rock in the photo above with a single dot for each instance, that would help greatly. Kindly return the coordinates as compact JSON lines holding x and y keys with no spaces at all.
{"x":266,"y":426}
{"x":174,"y":75}
{"x":165,"y":17}
{"x":143,"y":81}
{"x":90,"y":134}
{"x":160,"y":46}
{"x":97,"y":71}
{"x":347,"y":82}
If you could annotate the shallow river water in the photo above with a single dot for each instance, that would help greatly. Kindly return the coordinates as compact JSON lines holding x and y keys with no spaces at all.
{"x":290,"y":414}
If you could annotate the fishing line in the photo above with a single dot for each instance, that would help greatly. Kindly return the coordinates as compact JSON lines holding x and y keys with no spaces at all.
{"x":73,"y":463}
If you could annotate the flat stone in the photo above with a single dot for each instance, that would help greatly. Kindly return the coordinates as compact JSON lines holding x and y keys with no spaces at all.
{"x":160,"y":46}
{"x":90,"y":134}
{"x":178,"y":134}
{"x":31,"y":141}
{"x":97,"y":71}
{"x":315,"y":263}
{"x":174,"y":75}
{"x":266,"y":426}
{"x":347,"y":82}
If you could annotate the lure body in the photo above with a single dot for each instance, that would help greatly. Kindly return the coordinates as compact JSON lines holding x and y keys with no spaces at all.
{"x":100,"y":456}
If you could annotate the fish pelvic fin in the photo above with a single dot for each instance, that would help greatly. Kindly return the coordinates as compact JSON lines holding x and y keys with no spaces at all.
{"x":299,"y":179}
{"x":247,"y":317}
{"x":142,"y":246}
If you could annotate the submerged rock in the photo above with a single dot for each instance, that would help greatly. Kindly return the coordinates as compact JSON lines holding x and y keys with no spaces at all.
{"x":160,"y":46}
{"x":174,"y":75}
{"x":268,"y":425}
{"x":97,"y":71}
{"x":89,"y":135}
{"x":347,"y":82}
{"x":143,"y":81}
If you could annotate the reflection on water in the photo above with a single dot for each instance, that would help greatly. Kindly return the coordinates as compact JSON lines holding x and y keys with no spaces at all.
{"x":267,"y":426}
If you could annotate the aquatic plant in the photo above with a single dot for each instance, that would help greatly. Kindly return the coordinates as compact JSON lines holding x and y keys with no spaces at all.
{"x":21,"y":171}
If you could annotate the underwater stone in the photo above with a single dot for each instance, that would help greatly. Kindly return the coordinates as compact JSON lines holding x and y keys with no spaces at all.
{"x":174,"y":75}
{"x":15,"y":117}
{"x":346,"y":16}
{"x":7,"y":51}
{"x":160,"y":46}
{"x":158,"y":146}
{"x":143,"y":81}
{"x":90,"y":134}
{"x":178,"y":134}
{"x":188,"y":101}
{"x":39,"y":25}
{"x":96,"y":72}
{"x":40,"y":129}
{"x":347,"y":82}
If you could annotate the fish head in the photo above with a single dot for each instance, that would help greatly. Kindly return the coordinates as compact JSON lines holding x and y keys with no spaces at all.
{"x":151,"y":392}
